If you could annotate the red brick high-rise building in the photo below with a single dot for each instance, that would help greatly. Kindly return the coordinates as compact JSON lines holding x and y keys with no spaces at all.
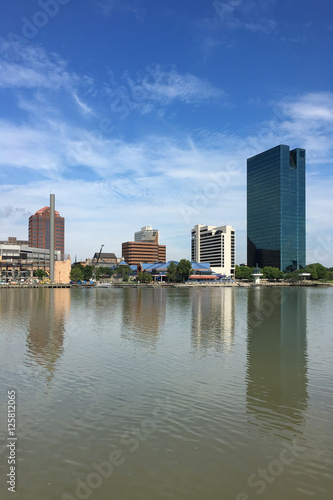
{"x":39,"y":230}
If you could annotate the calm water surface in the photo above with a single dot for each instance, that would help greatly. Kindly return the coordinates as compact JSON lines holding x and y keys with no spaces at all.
{"x":149,"y":394}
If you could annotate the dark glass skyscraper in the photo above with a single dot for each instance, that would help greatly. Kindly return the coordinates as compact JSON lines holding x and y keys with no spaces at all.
{"x":276,"y":209}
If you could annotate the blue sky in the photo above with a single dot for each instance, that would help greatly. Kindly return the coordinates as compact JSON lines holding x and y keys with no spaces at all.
{"x":143,"y":112}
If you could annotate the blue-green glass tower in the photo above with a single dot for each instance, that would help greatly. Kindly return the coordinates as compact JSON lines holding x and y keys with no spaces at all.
{"x":276,"y":209}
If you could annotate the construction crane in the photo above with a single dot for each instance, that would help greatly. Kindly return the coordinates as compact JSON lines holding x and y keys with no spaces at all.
{"x":98,"y":257}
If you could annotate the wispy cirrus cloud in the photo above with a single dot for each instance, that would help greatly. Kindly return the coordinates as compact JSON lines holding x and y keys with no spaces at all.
{"x":249,"y":15}
{"x":308,"y":118}
{"x":156,"y":89}
{"x":159,"y":176}
{"x":312,"y":106}
{"x":168,"y":85}
{"x":31,"y":67}
{"x":84,"y":107}
{"x":109,"y":7}
{"x":173,"y":179}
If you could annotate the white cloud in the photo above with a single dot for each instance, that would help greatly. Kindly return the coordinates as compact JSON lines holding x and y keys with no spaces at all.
{"x":86,"y":109}
{"x":249,"y":15}
{"x":315,"y":106}
{"x":102,"y":182}
{"x":32,"y":67}
{"x":264,"y":26}
{"x":307,"y":120}
{"x":164,"y":85}
{"x":108,"y":7}
{"x":157,"y":88}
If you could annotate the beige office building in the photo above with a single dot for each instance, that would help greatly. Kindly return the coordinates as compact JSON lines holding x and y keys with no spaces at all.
{"x":147,"y":235}
{"x":215,"y":245}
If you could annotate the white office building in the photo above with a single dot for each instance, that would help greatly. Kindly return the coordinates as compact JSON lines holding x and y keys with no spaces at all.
{"x":215,"y":245}
{"x":147,"y":235}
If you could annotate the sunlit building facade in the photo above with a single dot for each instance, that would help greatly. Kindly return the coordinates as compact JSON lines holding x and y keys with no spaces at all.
{"x":147,"y":235}
{"x":135,"y":252}
{"x":39,"y":230}
{"x":215,"y":245}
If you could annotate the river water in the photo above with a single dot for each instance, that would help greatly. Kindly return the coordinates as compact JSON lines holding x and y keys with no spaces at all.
{"x":175,"y":393}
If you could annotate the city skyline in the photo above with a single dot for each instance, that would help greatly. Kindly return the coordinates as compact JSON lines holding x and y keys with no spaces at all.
{"x":134,"y":113}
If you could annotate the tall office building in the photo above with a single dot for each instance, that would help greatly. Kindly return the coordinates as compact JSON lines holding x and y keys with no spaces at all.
{"x":276,"y":209}
{"x":148,"y":235}
{"x":39,"y":230}
{"x":215,"y":245}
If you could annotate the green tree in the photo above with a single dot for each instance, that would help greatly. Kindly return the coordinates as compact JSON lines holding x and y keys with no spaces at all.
{"x":145,"y":277}
{"x":294,"y":276}
{"x":40,"y":273}
{"x":104,"y":272}
{"x":171,"y":273}
{"x":76,"y":273}
{"x":87,"y":272}
{"x":184,"y":269}
{"x":272,"y":273}
{"x":123,"y":271}
{"x":318,"y":271}
{"x":243,"y":273}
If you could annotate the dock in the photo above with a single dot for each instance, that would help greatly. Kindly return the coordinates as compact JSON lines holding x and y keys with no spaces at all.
{"x":36,"y":285}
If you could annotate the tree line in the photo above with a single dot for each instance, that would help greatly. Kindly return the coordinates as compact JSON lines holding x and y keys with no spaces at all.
{"x":179,"y":273}
{"x":317,"y":271}
{"x":176,"y":273}
{"x":86,"y":273}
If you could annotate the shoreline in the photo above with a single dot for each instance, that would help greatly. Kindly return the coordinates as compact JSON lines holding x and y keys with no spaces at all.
{"x":235,"y":284}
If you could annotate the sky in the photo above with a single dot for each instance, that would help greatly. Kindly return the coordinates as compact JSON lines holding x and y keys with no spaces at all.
{"x":144,"y":112}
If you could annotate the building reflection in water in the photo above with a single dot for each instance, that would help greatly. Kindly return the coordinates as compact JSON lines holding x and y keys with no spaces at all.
{"x":277,"y":357}
{"x":143,"y":314}
{"x":48,"y":312}
{"x":213,"y":318}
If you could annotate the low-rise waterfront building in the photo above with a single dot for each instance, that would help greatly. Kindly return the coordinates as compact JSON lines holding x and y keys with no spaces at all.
{"x":201,"y":271}
{"x":12,"y":240}
{"x":20,"y":261}
{"x":105,"y":259}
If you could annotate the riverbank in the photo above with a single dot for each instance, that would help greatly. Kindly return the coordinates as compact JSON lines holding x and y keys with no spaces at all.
{"x":35,"y":285}
{"x":236,"y":284}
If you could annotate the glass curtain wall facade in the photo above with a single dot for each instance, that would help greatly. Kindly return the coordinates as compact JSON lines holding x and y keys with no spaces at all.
{"x":276,"y":209}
